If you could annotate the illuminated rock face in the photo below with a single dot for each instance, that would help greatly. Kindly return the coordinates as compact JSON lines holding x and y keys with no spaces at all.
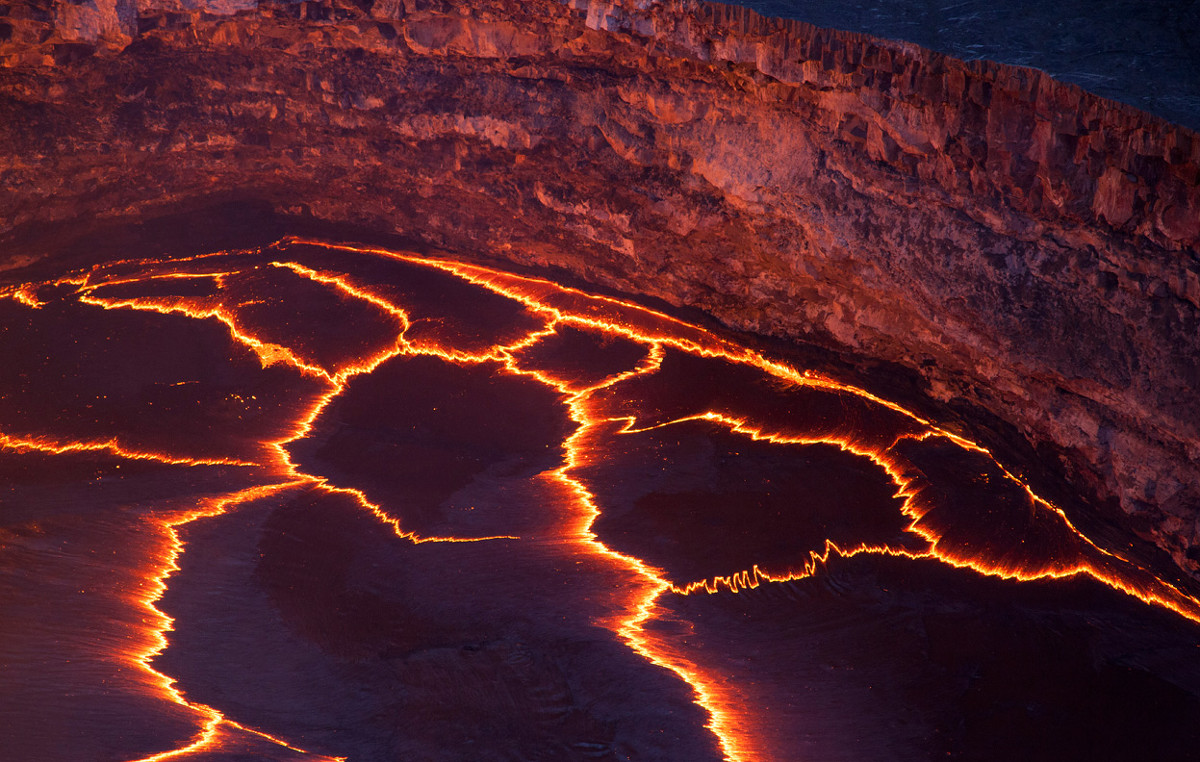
{"x":1029,"y":250}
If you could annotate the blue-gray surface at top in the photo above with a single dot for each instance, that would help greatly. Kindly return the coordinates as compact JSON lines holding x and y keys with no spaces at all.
{"x":1142,"y":52}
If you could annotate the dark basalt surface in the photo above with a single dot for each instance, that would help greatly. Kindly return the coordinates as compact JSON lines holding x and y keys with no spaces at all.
{"x":417,"y":430}
{"x":560,"y":545}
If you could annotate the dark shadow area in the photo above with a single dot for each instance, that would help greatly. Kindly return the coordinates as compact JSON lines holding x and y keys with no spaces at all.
{"x":1137,"y":52}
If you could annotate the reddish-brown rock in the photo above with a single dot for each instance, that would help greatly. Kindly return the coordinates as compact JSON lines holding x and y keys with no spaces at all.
{"x":1029,"y":249}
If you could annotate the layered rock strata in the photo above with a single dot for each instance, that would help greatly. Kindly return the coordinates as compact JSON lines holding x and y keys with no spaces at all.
{"x":1027,"y":248}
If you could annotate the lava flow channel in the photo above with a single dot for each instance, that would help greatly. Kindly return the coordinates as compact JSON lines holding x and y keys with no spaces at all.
{"x":273,"y":358}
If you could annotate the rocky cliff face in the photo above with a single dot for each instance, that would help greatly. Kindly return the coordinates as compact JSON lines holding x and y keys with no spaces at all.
{"x":1030,"y":250}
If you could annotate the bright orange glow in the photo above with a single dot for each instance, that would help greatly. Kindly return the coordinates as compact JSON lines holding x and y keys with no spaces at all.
{"x":556,"y":306}
{"x":210,"y":734}
{"x":268,"y":353}
{"x":111,"y":446}
{"x":26,"y":295}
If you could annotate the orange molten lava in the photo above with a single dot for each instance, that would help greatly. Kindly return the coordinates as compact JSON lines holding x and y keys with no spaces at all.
{"x":228,"y":292}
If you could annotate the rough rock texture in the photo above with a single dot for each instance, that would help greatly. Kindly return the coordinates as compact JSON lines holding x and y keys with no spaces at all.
{"x":1132,"y":51}
{"x":1029,"y":249}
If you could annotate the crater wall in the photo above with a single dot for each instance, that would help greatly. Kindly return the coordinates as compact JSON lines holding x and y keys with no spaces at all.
{"x":1028,"y":249}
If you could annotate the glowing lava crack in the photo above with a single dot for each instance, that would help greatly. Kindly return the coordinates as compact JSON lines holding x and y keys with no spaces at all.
{"x":278,"y":360}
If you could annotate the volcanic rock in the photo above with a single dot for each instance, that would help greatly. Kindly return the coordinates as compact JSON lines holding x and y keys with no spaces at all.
{"x":1029,"y":251}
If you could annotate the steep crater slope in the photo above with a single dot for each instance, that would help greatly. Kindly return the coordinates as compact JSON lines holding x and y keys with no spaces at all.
{"x":1031,"y":251}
